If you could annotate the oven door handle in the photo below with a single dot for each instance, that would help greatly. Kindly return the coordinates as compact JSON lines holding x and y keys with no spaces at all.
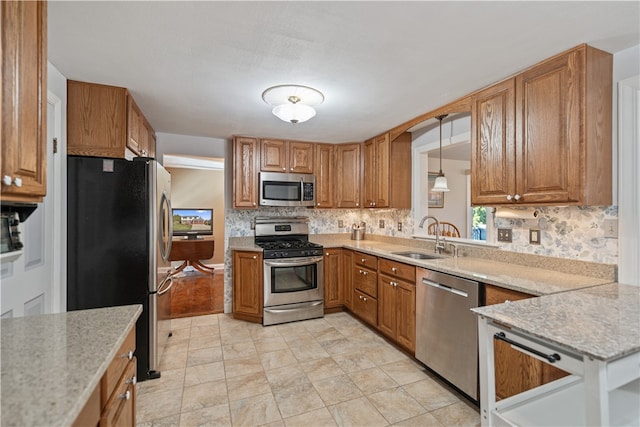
{"x":289,"y":310}
{"x":292,"y":262}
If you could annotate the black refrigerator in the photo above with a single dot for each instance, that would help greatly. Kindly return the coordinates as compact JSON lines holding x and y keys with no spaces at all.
{"x":119,"y":230}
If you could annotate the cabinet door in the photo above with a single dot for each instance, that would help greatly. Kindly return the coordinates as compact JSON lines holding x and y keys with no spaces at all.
{"x":387,"y":310}
{"x":348,"y":175}
{"x":151,"y":141}
{"x":382,"y":189}
{"x":365,"y":307}
{"x":347,"y":277}
{"x":549,"y":134}
{"x":120,"y":409}
{"x":134,"y":127}
{"x":96,"y":120}
{"x":369,"y":174}
{"x":515,"y":371}
{"x":24,"y":99}
{"x":324,"y":175}
{"x":406,"y":314}
{"x":247,"y":285}
{"x":301,"y":157}
{"x":332,"y":276}
{"x":273,"y":155}
{"x":492,"y":144}
{"x":245,"y":172}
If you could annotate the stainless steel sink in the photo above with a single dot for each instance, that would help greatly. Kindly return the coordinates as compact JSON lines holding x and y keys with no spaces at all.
{"x":417,"y":255}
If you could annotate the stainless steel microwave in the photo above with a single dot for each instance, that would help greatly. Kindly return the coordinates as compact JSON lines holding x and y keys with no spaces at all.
{"x":287,"y":189}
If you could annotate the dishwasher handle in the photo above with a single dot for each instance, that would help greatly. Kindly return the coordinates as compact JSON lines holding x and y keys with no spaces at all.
{"x":551,"y":358}
{"x":445,"y":288}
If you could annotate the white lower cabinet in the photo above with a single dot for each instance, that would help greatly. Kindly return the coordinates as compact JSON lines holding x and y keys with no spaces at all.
{"x":597,"y":393}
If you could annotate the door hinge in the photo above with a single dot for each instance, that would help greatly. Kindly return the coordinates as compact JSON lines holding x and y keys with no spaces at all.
{"x":55,"y":145}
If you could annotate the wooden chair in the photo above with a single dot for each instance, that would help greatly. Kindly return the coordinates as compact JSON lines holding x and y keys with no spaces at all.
{"x":446,"y":229}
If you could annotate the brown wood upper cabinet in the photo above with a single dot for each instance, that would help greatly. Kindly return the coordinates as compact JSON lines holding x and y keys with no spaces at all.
{"x":246,"y":157}
{"x":286,"y":156}
{"x":543,"y":137}
{"x":324,"y":175}
{"x":105,"y":121}
{"x":24,"y":100}
{"x":387,"y":172}
{"x":347,"y":175}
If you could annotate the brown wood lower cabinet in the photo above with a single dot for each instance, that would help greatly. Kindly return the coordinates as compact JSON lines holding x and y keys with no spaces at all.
{"x":113,"y":401}
{"x":365,"y":306}
{"x":247,"y":286}
{"x":397,"y":310}
{"x":347,"y":277}
{"x":333,"y":291}
{"x":515,"y":371}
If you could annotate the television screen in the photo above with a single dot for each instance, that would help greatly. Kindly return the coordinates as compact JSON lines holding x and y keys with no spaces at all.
{"x":192,"y":222}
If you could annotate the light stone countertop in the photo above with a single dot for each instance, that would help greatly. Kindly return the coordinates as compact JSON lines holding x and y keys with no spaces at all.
{"x":52,"y":363}
{"x":601,"y":322}
{"x":532,"y":280}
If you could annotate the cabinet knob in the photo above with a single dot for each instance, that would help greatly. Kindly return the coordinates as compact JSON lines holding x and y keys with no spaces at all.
{"x":318,"y":204}
{"x":290,"y":169}
{"x":394,"y":269}
{"x":125,"y":396}
{"x":133,"y":380}
{"x":127,"y":355}
{"x":357,"y":204}
{"x":6,"y":180}
{"x":254,"y":203}
{"x":365,"y":299}
{"x":284,"y":169}
{"x":327,"y":254}
{"x":17,"y":182}
{"x":363,"y":260}
{"x":509,"y":197}
{"x":516,"y":197}
{"x":255,"y":257}
{"x":507,"y":300}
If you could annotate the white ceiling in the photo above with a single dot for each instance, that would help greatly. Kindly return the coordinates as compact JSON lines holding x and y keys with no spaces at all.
{"x":199,"y":68}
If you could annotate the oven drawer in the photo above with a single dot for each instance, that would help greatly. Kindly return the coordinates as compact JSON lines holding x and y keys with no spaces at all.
{"x":365,"y":260}
{"x":366,"y":281}
{"x":365,"y":307}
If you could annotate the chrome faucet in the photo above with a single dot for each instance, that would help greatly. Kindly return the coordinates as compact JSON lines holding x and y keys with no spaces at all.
{"x":439,"y":245}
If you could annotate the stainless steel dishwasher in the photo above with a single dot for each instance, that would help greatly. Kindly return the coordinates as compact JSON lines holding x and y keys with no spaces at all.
{"x":446,"y":329}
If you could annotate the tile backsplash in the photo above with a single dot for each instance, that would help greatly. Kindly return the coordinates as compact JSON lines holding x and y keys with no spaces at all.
{"x":574,"y":232}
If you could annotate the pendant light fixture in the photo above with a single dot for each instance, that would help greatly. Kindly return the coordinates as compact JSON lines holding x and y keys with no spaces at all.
{"x":293,"y":103}
{"x":440,"y":186}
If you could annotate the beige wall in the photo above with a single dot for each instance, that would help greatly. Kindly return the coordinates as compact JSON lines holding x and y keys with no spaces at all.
{"x":198,"y":188}
{"x":455,"y":208}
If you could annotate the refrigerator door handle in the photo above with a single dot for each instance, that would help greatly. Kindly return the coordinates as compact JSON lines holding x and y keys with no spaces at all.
{"x":167,"y":279}
{"x":165,"y":225}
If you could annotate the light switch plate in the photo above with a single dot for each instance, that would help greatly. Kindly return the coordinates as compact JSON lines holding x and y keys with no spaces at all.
{"x":399,"y":226}
{"x":504,"y":235}
{"x":534,"y":236}
{"x":382,"y":223}
{"x":340,"y":223}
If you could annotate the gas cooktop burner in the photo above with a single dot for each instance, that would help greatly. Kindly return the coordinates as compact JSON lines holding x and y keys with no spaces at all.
{"x":292,"y":244}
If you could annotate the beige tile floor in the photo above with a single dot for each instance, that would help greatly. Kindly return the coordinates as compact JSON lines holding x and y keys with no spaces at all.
{"x":333,"y":371}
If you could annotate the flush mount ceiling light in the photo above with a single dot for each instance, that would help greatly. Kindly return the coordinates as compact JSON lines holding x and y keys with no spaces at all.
{"x":293,"y":103}
{"x":440,"y":186}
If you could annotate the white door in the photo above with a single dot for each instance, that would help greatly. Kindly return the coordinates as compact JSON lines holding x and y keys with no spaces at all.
{"x":28,"y":283}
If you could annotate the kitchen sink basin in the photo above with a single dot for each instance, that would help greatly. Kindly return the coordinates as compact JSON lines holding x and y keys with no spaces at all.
{"x":417,"y":255}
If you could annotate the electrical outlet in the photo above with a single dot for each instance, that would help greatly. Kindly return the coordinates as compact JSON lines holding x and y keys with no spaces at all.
{"x":610,"y":228}
{"x":340,"y":223}
{"x":534,"y":236}
{"x":504,"y":235}
{"x":382,"y":223}
{"x":399,"y":226}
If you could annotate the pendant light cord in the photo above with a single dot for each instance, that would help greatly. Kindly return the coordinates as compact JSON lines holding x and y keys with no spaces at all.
{"x":440,"y":119}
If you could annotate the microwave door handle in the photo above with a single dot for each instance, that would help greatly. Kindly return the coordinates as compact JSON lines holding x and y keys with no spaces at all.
{"x":292,"y":263}
{"x":302,"y":189}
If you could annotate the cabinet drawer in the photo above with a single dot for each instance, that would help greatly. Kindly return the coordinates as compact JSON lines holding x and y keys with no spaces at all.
{"x":120,"y":408}
{"x":366,"y":281}
{"x":397,"y":269}
{"x":118,"y":365}
{"x":366,"y":307}
{"x":365,"y":260}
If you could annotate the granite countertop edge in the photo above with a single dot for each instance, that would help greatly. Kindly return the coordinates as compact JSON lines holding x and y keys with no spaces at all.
{"x":69,"y":406}
{"x":530,"y":280}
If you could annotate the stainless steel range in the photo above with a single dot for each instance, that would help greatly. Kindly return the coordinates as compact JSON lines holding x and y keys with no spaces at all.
{"x":293,"y":270}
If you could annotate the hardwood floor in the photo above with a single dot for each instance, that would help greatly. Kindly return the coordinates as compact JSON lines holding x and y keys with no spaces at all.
{"x":195,"y":294}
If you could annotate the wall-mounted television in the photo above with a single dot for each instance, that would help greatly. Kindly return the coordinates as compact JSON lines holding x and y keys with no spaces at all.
{"x":192,"y":222}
